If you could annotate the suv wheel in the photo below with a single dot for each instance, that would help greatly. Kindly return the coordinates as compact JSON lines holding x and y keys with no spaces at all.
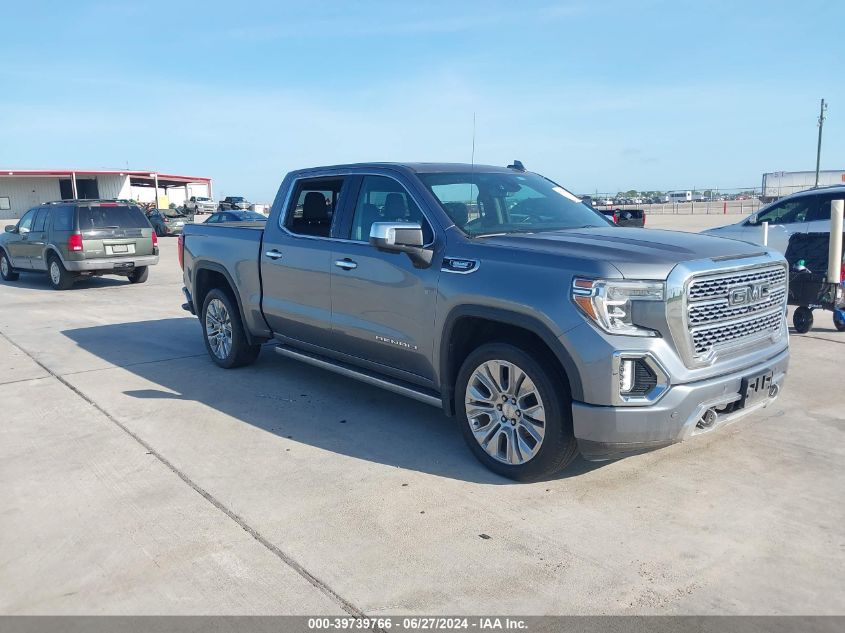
{"x":515,"y":413}
{"x":225,"y":338}
{"x":6,"y":271}
{"x":139,"y":275}
{"x":60,"y":278}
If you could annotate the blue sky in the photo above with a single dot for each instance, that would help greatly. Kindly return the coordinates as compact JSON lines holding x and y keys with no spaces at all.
{"x":597,"y":95}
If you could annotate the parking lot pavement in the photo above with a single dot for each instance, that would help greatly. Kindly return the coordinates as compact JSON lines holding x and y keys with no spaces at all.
{"x":321,"y":493}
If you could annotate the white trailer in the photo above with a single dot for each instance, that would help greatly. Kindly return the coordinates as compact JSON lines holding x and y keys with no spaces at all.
{"x":778,"y":184}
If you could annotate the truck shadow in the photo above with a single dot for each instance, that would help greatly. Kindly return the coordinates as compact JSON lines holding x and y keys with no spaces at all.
{"x":292,"y":400}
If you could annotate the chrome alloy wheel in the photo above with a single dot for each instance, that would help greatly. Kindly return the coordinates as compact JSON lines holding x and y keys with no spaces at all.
{"x":55,"y":273}
{"x":218,"y":329}
{"x":505,"y":412}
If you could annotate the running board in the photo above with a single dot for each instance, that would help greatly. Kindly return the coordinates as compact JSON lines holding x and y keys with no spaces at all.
{"x":403,"y":389}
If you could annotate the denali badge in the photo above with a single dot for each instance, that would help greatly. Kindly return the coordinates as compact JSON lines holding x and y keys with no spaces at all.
{"x":393,"y":341}
{"x":748,"y":294}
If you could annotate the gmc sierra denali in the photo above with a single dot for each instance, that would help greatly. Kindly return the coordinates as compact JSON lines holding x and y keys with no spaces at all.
{"x":497,"y":295}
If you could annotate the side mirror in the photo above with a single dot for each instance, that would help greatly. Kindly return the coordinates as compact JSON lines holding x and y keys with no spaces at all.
{"x":752,"y":220}
{"x":401,"y":237}
{"x":11,"y":228}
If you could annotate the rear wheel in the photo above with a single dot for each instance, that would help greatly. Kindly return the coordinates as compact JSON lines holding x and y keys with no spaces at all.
{"x":515,"y":413}
{"x":60,"y":278}
{"x":225,"y":337}
{"x":6,"y":271}
{"x":802,"y":319}
{"x":139,"y":275}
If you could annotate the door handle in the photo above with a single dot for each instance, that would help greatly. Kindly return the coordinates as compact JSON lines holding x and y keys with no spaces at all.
{"x":274,"y":254}
{"x":346,"y":264}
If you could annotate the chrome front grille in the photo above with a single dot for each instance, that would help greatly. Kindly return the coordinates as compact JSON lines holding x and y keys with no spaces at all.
{"x":725,"y":312}
{"x":704,"y":339}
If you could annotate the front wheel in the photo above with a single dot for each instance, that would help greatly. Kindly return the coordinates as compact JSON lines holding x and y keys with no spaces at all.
{"x":225,"y":337}
{"x":515,"y":413}
{"x":60,"y":278}
{"x":802,"y":319}
{"x":6,"y":271}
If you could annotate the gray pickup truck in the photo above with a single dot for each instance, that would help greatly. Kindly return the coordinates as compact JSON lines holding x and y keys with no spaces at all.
{"x":497,"y":295}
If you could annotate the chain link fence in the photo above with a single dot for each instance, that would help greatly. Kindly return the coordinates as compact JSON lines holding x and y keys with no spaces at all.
{"x":736,"y":201}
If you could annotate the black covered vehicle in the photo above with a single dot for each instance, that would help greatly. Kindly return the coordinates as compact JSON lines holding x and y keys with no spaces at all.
{"x":233,"y":202}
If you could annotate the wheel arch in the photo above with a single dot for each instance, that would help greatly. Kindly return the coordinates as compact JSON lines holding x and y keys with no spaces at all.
{"x":209,"y":275}
{"x":468,"y":326}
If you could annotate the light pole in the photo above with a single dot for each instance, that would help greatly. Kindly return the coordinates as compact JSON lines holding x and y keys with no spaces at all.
{"x":819,"y":148}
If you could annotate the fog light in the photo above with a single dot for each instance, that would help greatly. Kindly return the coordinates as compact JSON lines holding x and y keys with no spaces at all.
{"x":626,"y":375}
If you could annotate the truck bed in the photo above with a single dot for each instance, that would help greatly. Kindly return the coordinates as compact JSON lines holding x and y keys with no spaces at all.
{"x":232,"y":249}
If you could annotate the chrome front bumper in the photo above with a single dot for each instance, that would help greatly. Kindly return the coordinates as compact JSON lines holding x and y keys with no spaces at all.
{"x":612,"y":432}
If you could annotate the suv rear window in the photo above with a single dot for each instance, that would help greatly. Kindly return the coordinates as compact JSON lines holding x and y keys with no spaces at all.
{"x":122,"y":217}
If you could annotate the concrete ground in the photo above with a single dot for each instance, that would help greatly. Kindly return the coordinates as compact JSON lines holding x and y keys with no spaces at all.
{"x":138,"y":478}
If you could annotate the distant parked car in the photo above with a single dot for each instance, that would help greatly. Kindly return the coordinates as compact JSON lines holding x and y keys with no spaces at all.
{"x":73,"y":239}
{"x":168,"y":221}
{"x":200,"y":204}
{"x":625,"y":217}
{"x":236,"y":216}
{"x":233,"y":202}
{"x":802,"y":212}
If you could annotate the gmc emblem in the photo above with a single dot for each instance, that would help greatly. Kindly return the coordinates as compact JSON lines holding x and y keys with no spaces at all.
{"x":749,"y":294}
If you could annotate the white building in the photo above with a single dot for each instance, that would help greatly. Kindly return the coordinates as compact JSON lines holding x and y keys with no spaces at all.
{"x":22,"y":189}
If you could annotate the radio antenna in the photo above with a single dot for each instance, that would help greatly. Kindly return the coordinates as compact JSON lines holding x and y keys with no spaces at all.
{"x":473,"y":140}
{"x":472,"y":162}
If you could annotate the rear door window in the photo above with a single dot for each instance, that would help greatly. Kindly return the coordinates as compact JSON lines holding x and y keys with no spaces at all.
{"x":108,"y":217}
{"x":314,"y":206}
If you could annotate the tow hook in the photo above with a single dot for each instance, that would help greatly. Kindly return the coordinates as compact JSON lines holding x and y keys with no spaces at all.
{"x":708,"y":419}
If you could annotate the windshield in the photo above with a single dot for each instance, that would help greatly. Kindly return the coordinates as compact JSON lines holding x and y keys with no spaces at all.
{"x":199,"y":199}
{"x":493,"y":203}
{"x":236,"y":199}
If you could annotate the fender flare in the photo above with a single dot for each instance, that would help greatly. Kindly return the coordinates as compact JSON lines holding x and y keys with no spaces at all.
{"x":508,"y":317}
{"x":218,"y":268}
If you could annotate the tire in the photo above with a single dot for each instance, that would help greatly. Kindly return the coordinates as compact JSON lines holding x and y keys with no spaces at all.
{"x":6,"y":271}
{"x":546,"y":389}
{"x":802,"y":320}
{"x":230,"y":350}
{"x":839,"y":320}
{"x":58,"y":275}
{"x":139,"y":275}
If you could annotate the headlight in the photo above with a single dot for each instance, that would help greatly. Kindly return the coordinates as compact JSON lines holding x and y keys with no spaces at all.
{"x":609,"y":303}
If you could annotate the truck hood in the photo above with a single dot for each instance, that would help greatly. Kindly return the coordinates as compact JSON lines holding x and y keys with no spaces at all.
{"x":636,"y":253}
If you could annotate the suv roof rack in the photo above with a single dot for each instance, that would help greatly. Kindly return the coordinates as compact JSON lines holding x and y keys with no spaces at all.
{"x":87,"y":200}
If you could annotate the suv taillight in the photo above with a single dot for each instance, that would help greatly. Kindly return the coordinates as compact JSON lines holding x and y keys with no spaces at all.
{"x":74,"y":243}
{"x":180,"y":250}
{"x":155,"y":239}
